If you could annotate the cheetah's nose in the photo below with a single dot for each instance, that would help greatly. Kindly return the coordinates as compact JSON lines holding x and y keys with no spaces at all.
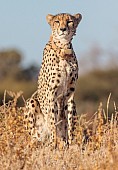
{"x":63,"y":29}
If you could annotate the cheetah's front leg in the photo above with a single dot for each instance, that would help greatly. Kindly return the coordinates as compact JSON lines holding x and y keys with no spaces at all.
{"x":61,"y":122}
{"x":53,"y":135}
{"x":71,"y":112}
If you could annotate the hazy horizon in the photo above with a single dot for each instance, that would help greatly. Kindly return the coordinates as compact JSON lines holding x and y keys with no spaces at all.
{"x":23,"y":25}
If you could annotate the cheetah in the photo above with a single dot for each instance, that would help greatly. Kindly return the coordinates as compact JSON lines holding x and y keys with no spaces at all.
{"x":51,"y":110}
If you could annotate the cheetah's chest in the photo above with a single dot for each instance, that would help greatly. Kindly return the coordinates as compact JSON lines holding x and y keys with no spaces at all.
{"x":65,"y":70}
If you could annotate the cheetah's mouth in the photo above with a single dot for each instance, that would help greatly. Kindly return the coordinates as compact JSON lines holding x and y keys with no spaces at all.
{"x":63,"y":34}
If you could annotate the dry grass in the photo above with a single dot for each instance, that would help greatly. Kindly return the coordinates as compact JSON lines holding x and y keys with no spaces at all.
{"x":95,"y":146}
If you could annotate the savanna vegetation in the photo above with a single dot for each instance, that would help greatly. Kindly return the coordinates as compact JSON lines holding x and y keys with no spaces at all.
{"x":96,"y":137}
{"x":95,"y":145}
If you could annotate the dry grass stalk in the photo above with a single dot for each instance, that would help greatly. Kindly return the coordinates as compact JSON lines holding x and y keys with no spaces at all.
{"x":95,"y":145}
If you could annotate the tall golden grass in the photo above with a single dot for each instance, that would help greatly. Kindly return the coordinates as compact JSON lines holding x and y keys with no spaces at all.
{"x":95,"y":146}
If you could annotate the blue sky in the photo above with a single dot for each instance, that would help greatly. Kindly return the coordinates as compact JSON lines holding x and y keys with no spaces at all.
{"x":23,"y":25}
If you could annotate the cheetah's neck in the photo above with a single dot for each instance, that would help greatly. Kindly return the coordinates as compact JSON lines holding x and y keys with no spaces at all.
{"x":64,"y":44}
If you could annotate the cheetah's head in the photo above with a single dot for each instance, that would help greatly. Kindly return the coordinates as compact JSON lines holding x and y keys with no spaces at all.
{"x":63,"y":25}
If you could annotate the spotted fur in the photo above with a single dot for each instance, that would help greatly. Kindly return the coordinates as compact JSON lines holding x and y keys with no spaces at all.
{"x":54,"y":101}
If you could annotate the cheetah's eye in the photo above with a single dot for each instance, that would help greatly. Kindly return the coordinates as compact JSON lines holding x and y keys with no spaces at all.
{"x":56,"y":22}
{"x":70,"y":22}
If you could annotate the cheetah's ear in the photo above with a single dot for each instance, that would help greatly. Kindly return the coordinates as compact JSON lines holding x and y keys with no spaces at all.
{"x":49,"y":18}
{"x":78,"y":17}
